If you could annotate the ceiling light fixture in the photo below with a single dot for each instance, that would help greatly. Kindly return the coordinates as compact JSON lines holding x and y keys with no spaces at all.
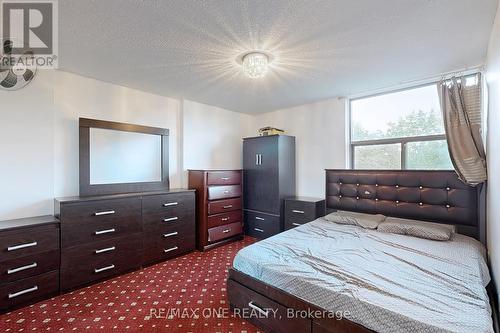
{"x":255,"y":64}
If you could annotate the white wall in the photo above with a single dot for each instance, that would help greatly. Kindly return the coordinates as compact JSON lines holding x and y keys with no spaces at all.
{"x":320,"y":134}
{"x":493,"y":153}
{"x":212,"y":137}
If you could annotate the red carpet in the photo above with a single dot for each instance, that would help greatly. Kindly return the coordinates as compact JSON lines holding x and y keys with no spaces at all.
{"x":194,"y":285}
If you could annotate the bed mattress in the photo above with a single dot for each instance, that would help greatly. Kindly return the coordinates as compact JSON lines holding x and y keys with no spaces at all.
{"x":385,"y":282}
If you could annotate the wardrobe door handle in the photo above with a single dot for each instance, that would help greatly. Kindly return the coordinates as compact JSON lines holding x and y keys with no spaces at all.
{"x":171,"y":249}
{"x":260,"y":159}
{"x":22,"y":268}
{"x":170,"y":204}
{"x":107,"y":268}
{"x":257,"y":229}
{"x":107,"y":231}
{"x":108,"y":249}
{"x":22,"y":292}
{"x":256,"y":159}
{"x":21,"y":246}
{"x":108,"y":212}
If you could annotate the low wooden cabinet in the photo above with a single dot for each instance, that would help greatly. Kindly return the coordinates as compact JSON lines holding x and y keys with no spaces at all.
{"x":218,"y":199}
{"x":104,"y":236}
{"x":29,"y":261}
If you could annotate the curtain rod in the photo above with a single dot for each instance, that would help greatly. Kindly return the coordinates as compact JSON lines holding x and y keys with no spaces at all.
{"x":404,"y":85}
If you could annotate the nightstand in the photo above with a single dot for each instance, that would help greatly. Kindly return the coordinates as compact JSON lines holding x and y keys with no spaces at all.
{"x":300,"y":210}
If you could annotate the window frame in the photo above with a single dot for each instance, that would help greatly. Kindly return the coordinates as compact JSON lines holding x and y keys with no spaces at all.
{"x":401,"y":140}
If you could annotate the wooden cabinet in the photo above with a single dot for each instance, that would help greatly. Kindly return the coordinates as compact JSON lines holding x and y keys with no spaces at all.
{"x":268,"y":178}
{"x":300,"y":210}
{"x":104,"y":236}
{"x":29,"y":261}
{"x":218,"y":200}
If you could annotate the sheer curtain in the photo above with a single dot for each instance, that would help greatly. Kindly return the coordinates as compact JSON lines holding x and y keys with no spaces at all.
{"x":461,"y":104}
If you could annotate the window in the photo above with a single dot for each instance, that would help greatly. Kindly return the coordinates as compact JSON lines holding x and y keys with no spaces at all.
{"x":399,"y":130}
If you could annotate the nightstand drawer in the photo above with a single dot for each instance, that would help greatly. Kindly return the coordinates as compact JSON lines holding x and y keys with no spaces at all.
{"x":224,"y":192}
{"x":20,"y":243}
{"x":223,"y":177}
{"x":261,"y":225}
{"x":301,"y":210}
{"x":222,"y":206}
{"x":29,"y":290}
{"x":23,"y":267}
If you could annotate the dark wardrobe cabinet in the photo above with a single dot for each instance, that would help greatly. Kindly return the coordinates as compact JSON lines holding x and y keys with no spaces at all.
{"x":268,"y":178}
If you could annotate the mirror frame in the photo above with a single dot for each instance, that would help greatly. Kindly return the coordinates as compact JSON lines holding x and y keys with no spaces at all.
{"x":87,"y":189}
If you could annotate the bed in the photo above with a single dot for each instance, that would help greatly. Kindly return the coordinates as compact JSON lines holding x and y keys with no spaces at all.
{"x":326,"y":277}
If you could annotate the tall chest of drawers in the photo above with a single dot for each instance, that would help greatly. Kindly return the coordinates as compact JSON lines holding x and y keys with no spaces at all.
{"x":105,"y":236}
{"x":29,"y":261}
{"x":219,"y":201}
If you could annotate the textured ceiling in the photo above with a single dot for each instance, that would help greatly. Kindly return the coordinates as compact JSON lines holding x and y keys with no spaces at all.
{"x":322,"y":49}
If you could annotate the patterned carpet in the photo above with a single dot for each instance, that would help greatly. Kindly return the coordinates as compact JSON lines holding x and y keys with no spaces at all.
{"x":186,"y":294}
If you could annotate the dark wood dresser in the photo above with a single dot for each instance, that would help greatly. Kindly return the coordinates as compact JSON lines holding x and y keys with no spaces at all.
{"x":29,"y":261}
{"x":104,"y":236}
{"x":300,"y":210}
{"x":219,"y":215}
{"x":268,"y":178}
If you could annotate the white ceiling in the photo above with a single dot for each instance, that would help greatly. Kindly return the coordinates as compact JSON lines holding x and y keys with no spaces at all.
{"x":322,"y":49}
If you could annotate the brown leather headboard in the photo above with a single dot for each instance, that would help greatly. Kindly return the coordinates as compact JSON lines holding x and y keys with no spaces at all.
{"x":433,"y":196}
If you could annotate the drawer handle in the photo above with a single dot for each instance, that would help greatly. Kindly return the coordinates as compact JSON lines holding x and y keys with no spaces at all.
{"x":108,"y":249}
{"x":296,"y":224}
{"x":175,"y":233}
{"x":107,"y":231}
{"x":170,"y":219}
{"x":260,"y":218}
{"x":298,"y":211}
{"x":228,"y":206}
{"x":226,"y":192}
{"x":22,"y":246}
{"x":107,"y":268}
{"x":170,"y":204}
{"x":225,"y":178}
{"x":224,"y":219}
{"x":171,"y":249}
{"x":108,"y":212}
{"x":258,"y":309}
{"x":22,"y":268}
{"x":225,"y":231}
{"x":22,"y":292}
{"x":258,"y":229}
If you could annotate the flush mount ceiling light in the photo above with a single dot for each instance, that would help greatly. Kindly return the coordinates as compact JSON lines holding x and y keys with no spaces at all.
{"x":255,"y":64}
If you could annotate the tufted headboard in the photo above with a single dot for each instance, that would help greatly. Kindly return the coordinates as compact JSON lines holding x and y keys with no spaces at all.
{"x":433,"y":196}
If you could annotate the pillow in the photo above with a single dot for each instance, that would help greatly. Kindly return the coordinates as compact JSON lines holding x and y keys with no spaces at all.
{"x":367,"y":221}
{"x":421,"y":229}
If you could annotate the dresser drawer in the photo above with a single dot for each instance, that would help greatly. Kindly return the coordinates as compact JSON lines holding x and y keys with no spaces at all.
{"x":23,"y":267}
{"x":25,"y":242}
{"x":29,"y":290}
{"x":170,"y":217}
{"x":271,"y":316}
{"x":224,"y":192}
{"x":224,"y":231}
{"x":224,"y":218}
{"x":100,"y":220}
{"x":182,"y":226}
{"x":162,"y":246}
{"x":223,"y":177}
{"x":170,"y":204}
{"x":83,"y":264}
{"x":221,"y":206}
{"x":261,"y":225}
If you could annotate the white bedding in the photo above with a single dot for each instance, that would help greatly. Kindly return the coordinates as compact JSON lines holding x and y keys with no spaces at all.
{"x":386,"y":282}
